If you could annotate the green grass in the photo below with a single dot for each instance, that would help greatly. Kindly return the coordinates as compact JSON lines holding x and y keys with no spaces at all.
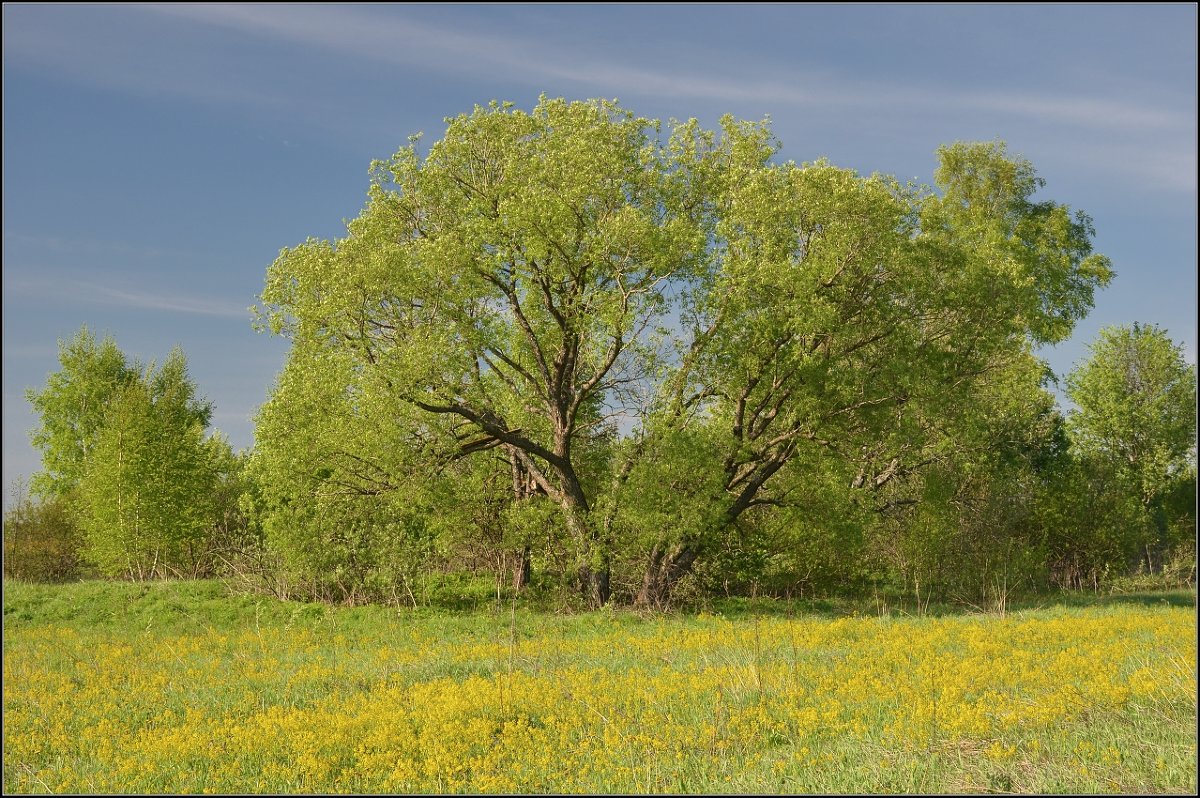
{"x":190,"y":687}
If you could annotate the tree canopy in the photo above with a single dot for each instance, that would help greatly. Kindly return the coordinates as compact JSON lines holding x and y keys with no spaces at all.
{"x":1135,"y":403}
{"x":616,"y":309}
{"x":72,"y":407}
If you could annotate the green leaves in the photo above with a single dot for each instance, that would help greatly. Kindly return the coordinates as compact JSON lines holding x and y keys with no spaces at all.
{"x":536,"y":275}
{"x":1136,"y":404}
{"x":1030,"y":262}
{"x":501,"y":284}
{"x":128,"y":445}
{"x":72,"y":408}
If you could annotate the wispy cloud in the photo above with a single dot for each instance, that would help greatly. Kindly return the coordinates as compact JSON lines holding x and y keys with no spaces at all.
{"x":1077,"y":110}
{"x":362,"y":35}
{"x":1170,"y":168}
{"x":181,"y":304}
{"x":1159,"y":122}
{"x":369,"y":36}
{"x":91,"y":247}
{"x":99,"y":46}
{"x":87,"y":292}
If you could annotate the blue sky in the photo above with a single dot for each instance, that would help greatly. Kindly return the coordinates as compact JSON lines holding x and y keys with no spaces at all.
{"x":156,"y":158}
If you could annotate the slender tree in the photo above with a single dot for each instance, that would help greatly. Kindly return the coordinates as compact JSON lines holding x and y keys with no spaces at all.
{"x":127,"y":446}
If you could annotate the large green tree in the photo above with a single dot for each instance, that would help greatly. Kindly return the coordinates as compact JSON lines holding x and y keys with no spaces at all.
{"x":504,"y":284}
{"x":629,"y":316}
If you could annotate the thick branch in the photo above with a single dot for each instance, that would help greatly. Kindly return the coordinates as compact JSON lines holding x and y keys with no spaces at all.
{"x":493,"y":426}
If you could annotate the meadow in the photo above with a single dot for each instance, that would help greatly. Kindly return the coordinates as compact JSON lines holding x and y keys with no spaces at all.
{"x":187,"y":687}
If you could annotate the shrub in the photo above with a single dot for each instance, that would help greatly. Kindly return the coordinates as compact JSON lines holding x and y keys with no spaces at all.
{"x":41,"y":543}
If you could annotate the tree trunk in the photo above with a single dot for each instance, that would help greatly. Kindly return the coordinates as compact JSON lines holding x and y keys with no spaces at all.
{"x":522,"y":572}
{"x":593,"y":555}
{"x":595,"y":585}
{"x":664,"y":571}
{"x":524,"y":486}
{"x":666,"y":568}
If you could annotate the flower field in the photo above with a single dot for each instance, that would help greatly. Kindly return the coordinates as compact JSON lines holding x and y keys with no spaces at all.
{"x":182,"y":688}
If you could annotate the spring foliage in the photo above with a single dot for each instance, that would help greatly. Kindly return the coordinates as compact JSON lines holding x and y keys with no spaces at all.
{"x":590,"y":351}
{"x":659,"y":329}
{"x":125,"y":445}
